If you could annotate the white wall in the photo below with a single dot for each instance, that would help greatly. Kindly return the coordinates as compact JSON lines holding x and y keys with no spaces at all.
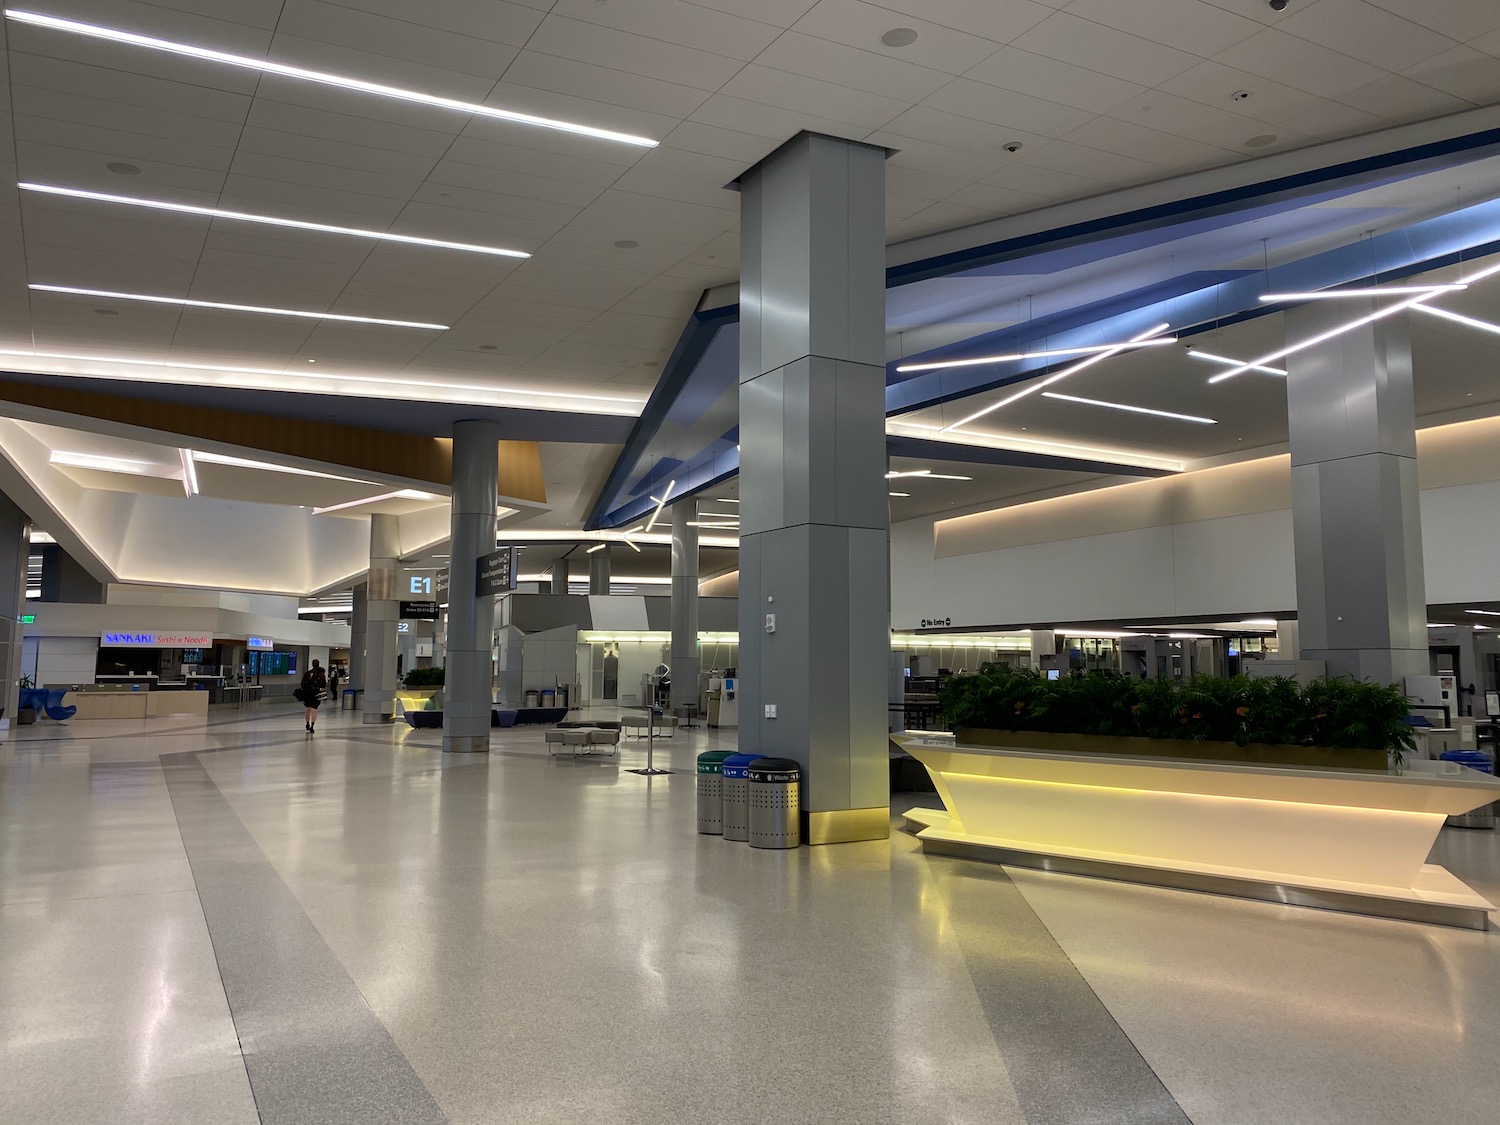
{"x":1213,"y":543}
{"x":61,"y":660}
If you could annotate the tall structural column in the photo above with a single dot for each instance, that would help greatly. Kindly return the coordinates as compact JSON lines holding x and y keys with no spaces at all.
{"x":814,"y":540}
{"x":15,"y":554}
{"x":358,"y":619}
{"x":560,"y":576}
{"x":382,"y":610}
{"x":1356,"y":515}
{"x":599,"y":572}
{"x":468,"y":695}
{"x":684,"y":604}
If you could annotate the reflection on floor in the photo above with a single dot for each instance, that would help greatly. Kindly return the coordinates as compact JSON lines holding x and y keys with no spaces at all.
{"x":239,"y":923}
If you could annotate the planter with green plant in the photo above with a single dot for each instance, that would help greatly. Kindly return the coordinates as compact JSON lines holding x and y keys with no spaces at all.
{"x":424,"y":678}
{"x":1273,"y":721}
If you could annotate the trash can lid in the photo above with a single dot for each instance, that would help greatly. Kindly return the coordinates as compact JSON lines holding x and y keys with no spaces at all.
{"x":712,"y":761}
{"x":736,"y":764}
{"x":775,"y":769}
{"x":1474,"y":759}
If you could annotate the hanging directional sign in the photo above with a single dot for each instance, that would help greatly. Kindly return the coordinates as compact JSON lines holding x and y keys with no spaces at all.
{"x":419,"y":611}
{"x":495,"y":573}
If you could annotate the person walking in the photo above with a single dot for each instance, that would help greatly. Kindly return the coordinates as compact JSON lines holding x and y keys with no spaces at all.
{"x":314,"y":685}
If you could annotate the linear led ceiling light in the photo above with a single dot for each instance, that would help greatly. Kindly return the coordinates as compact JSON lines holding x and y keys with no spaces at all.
{"x":322,"y":78}
{"x":1131,"y":409}
{"x":268,"y":467}
{"x":660,"y":504}
{"x":1321,"y":337}
{"x":1089,"y":350}
{"x":267,"y":220}
{"x":926,"y":474}
{"x":706,"y":523}
{"x":305,"y":313}
{"x":1459,"y":318}
{"x":1484,"y":612}
{"x":596,"y":547}
{"x":1033,"y":388}
{"x":1224,"y":359}
{"x":1369,"y":291}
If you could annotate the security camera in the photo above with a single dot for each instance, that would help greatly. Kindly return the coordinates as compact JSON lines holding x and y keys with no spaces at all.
{"x":1015,"y":146}
{"x":1278,"y":5}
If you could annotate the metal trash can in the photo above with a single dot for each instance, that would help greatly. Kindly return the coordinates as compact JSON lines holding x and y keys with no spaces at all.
{"x":1484,"y":816}
{"x":737,"y":795}
{"x":775,"y":803}
{"x":532,"y":699}
{"x":549,"y":697}
{"x":711,"y":792}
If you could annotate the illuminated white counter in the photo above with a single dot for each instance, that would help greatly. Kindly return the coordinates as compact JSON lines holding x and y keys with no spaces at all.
{"x":1353,"y":840}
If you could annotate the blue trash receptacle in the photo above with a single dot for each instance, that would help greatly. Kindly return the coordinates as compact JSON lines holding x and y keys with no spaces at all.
{"x":1483,"y":817}
{"x":736,"y":769}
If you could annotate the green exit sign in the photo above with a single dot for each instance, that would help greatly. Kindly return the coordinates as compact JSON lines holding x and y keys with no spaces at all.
{"x":27,"y":619}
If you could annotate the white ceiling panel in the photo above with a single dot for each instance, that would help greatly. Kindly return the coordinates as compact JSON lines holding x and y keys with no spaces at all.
{"x":801,"y":94}
{"x":1400,"y":99}
{"x":1091,"y":45}
{"x":1462,"y":72}
{"x":1299,"y":63}
{"x":1214,"y":84}
{"x":857,"y":24}
{"x":373,"y":66}
{"x":1209,"y":125}
{"x":409,"y":39}
{"x":763,"y":119}
{"x":683,"y":24}
{"x":1188,"y":25}
{"x":1007,"y":108}
{"x":635,"y":54}
{"x":1054,"y":80}
{"x":961,"y":132}
{"x":1046,"y":182}
{"x":602,"y":84}
{"x":830,"y":61}
{"x":996,"y":20}
{"x":1366,"y":32}
{"x":739,"y":147}
{"x":498,"y":21}
{"x":1460,"y":20}
{"x":209,"y":26}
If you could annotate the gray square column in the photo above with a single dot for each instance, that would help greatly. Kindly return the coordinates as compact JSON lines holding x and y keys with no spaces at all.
{"x":814,"y":540}
{"x":684,"y":604}
{"x":1356,"y":512}
{"x":382,"y":610}
{"x":468,"y":692}
{"x":15,"y":554}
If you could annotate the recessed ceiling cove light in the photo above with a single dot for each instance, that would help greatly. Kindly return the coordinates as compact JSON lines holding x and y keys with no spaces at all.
{"x":305,"y":313}
{"x":267,"y":220}
{"x":265,"y":66}
{"x":1130,"y":409}
{"x":104,"y":463}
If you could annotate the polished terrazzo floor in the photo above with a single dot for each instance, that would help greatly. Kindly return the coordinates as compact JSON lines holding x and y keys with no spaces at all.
{"x":238,"y":924}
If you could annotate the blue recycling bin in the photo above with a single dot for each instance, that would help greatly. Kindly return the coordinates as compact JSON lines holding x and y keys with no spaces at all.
{"x":1483,"y":817}
{"x":736,"y":790}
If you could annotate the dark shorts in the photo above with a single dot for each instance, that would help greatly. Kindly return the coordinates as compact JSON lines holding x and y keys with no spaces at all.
{"x":313,"y":702}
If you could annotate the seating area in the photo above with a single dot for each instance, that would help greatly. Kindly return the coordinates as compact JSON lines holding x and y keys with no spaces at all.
{"x":49,"y":702}
{"x":665,"y":726}
{"x":584,"y":738}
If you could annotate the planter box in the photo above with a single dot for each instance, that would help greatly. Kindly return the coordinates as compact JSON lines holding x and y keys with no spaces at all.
{"x":1256,"y":753}
{"x":1340,"y":838}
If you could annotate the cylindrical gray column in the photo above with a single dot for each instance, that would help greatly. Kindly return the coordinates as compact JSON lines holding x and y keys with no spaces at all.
{"x":814,"y":540}
{"x":468,"y":696}
{"x":1356,"y":511}
{"x":15,"y":553}
{"x":382,"y":609}
{"x":358,"y":618}
{"x":560,"y":576}
{"x":684,"y":604}
{"x":599,"y":572}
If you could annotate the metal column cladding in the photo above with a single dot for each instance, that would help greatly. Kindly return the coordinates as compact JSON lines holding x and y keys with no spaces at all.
{"x":467,"y":695}
{"x":814,"y":551}
{"x":382,"y":610}
{"x":1356,"y":516}
{"x":684,"y":604}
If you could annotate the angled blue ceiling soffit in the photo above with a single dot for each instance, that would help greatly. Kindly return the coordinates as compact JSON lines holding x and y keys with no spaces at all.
{"x":1194,"y":264}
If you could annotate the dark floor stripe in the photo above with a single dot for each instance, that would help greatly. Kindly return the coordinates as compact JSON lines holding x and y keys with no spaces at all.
{"x":1070,"y":1062}
{"x":315,"y":1052}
